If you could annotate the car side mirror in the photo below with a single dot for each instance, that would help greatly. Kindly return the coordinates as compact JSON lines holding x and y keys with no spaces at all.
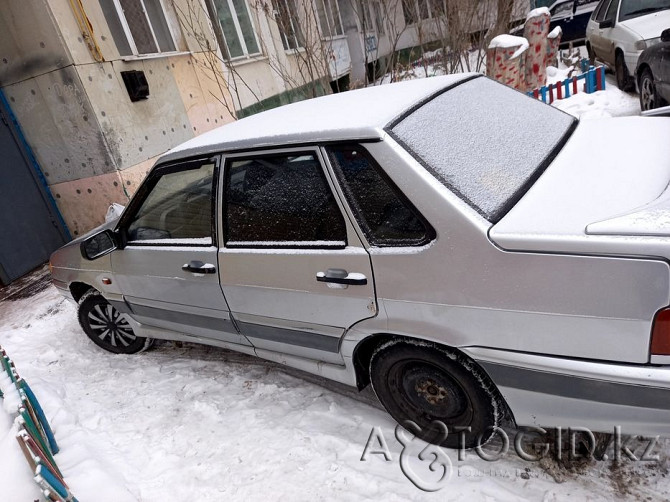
{"x":99,"y":245}
{"x":665,"y":35}
{"x":608,"y":23}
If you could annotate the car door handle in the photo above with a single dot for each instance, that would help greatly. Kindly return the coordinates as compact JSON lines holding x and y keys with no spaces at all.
{"x":339,"y":276}
{"x":198,"y":267}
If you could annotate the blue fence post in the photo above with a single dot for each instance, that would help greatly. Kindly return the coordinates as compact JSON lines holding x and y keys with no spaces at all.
{"x":601,"y":69}
{"x":543,"y":92}
{"x":566,"y":82}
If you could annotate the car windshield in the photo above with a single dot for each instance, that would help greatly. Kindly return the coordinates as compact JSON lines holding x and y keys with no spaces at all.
{"x":636,"y":8}
{"x":485,"y":141}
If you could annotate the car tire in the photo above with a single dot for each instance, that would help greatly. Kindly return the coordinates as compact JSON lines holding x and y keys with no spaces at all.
{"x":591,"y":54}
{"x":649,"y":98}
{"x":106,"y":326}
{"x":623,"y":79}
{"x":422,"y":383}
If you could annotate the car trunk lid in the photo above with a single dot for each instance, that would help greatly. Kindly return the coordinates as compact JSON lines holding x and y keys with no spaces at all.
{"x":605,"y":192}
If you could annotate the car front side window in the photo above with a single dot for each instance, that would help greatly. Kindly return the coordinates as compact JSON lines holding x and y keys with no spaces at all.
{"x":177,"y":208}
{"x":610,"y":15}
{"x":599,"y":13}
{"x":281,"y":200}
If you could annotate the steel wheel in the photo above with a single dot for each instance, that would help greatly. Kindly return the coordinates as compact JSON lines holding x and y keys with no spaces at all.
{"x":427,"y":384}
{"x":107,"y":327}
{"x":648,"y":98}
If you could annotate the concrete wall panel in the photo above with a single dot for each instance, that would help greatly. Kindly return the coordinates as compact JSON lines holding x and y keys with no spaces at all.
{"x":71,"y":33}
{"x":141,"y":130}
{"x":60,"y":126}
{"x":215,"y":91}
{"x":30,"y":42}
{"x":83,"y":203}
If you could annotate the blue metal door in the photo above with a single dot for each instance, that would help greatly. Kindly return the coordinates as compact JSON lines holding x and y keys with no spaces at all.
{"x":30,"y":226}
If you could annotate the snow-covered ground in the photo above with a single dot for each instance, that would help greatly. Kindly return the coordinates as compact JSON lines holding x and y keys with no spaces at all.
{"x":611,"y":102}
{"x":200,"y":423}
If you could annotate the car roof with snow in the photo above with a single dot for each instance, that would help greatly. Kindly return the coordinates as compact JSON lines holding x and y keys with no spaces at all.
{"x":353,"y":115}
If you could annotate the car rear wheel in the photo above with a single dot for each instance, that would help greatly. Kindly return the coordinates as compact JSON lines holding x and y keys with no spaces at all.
{"x":623,"y":79}
{"x":107,"y":327}
{"x":425,"y":384}
{"x":649,"y":99}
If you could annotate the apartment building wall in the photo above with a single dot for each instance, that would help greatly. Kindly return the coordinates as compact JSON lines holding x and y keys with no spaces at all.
{"x":64,"y":84}
{"x":280,"y":51}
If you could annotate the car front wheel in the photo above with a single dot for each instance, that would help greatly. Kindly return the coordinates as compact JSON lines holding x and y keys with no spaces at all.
{"x":623,"y":79}
{"x":429,"y":386}
{"x":648,"y":97}
{"x":107,"y":327}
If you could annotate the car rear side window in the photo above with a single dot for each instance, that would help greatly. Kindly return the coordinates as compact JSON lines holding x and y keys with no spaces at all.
{"x":485,"y":141}
{"x":177,"y":208}
{"x":281,"y":200}
{"x":383,"y":212}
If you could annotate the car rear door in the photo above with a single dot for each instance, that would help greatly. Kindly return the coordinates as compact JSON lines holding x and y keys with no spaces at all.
{"x":167,"y":270}
{"x":294,"y":271}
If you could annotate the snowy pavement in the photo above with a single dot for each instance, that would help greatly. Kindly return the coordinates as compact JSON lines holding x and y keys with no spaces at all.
{"x":200,"y":423}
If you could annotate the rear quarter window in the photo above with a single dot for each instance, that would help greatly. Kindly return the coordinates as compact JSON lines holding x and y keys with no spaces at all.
{"x":486,"y":142}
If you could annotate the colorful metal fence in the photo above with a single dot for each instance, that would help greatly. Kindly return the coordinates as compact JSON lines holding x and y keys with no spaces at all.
{"x":594,"y":80}
{"x":35,"y":436}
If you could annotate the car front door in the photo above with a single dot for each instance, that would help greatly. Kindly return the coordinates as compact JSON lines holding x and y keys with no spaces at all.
{"x":167,"y":269}
{"x":608,"y":35}
{"x":293,"y":269}
{"x":593,"y":30}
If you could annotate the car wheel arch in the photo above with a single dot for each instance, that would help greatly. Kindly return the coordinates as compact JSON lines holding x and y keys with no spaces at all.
{"x":79,"y":289}
{"x":640,"y":71}
{"x":365,"y":349}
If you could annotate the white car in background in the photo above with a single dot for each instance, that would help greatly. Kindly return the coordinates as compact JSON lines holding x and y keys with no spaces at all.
{"x":619,"y":30}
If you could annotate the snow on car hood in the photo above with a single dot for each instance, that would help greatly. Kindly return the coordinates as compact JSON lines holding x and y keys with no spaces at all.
{"x":605,"y":179}
{"x":649,"y":26}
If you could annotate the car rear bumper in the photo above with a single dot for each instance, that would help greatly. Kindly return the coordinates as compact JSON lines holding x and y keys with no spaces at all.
{"x":549,"y":392}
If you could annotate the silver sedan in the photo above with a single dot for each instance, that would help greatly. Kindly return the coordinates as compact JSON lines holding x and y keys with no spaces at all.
{"x":470,"y":252}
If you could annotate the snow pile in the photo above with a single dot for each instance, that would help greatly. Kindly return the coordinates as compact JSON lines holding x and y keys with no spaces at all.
{"x":89,"y":483}
{"x":508,"y":41}
{"x":555,"y":33}
{"x":611,"y":102}
{"x":555,"y":75}
{"x":538,"y":12}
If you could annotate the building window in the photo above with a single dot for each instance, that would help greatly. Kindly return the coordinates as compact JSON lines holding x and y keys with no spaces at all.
{"x":409,"y":12}
{"x":238,"y":30}
{"x":329,"y":18}
{"x":287,"y":21}
{"x":378,"y":17}
{"x":415,"y":10}
{"x":139,"y":27}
